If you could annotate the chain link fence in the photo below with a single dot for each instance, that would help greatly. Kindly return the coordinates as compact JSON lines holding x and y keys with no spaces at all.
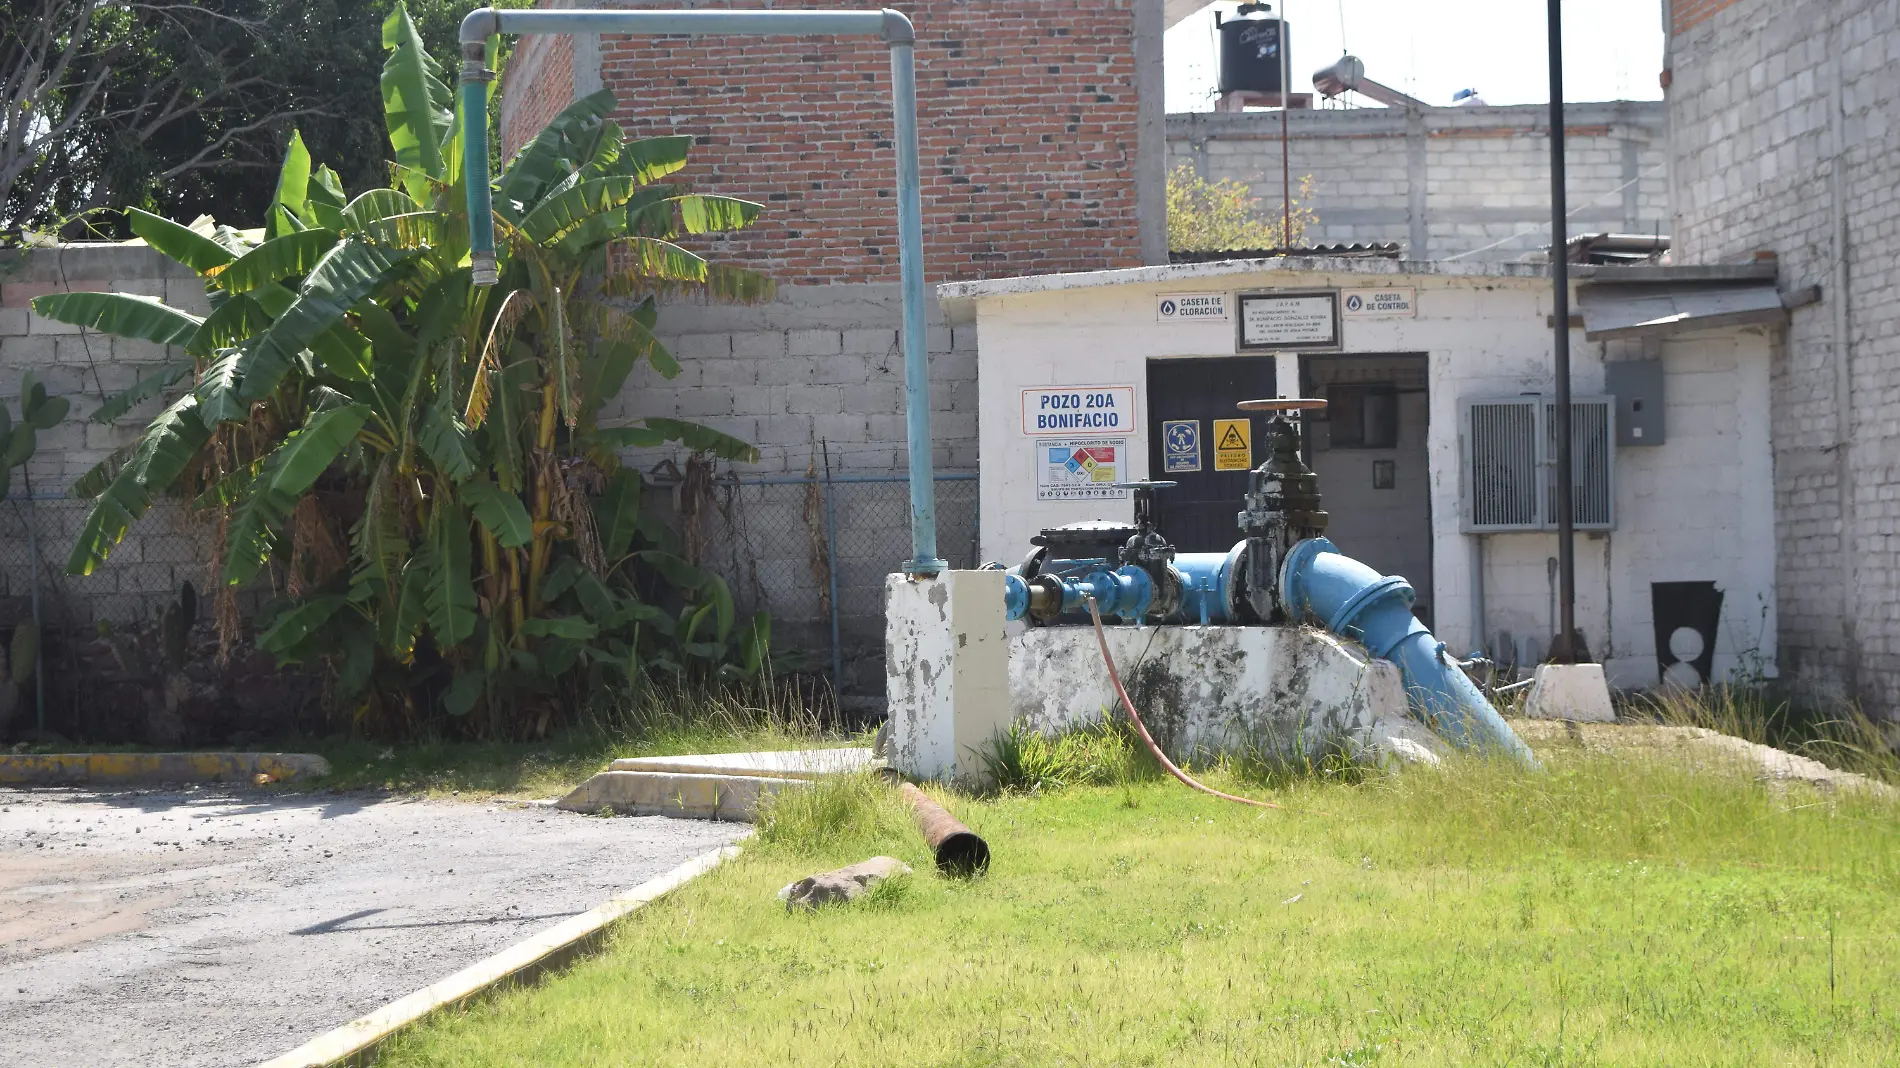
{"x":814,"y":551}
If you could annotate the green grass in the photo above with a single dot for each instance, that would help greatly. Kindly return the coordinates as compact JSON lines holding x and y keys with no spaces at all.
{"x":1609,"y":912}
{"x":666,"y":724}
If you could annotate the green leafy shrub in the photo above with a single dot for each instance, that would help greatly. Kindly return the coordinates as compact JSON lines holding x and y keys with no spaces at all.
{"x":416,"y":461}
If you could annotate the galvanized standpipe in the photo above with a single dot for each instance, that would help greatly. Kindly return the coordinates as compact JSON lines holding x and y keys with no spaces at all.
{"x":1565,"y":651}
{"x":897,"y":33}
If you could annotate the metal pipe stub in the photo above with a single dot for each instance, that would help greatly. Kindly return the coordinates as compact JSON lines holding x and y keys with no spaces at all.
{"x":957,"y":848}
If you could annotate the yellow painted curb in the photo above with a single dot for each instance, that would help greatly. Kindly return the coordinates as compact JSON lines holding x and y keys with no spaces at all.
{"x":356,"y":1042}
{"x":75,"y":769}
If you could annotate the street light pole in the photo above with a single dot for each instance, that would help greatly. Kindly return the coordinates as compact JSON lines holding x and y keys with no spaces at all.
{"x":1564,"y":648}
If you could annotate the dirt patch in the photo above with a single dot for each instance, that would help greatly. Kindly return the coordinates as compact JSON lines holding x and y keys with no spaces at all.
{"x":1697,"y":746}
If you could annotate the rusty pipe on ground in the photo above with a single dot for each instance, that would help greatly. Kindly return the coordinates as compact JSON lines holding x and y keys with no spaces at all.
{"x":958,"y":849}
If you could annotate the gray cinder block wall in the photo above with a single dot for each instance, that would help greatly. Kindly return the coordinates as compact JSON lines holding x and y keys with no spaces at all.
{"x":162,"y":551}
{"x":1444,"y":182}
{"x":1784,"y":139}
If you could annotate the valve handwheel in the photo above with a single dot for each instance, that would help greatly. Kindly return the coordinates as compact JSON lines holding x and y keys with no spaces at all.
{"x":1283,"y":405}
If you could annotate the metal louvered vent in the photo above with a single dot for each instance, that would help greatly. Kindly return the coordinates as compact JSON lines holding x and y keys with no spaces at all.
{"x":1509,"y":450}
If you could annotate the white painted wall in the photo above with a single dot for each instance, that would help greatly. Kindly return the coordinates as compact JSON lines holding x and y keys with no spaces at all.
{"x":1698,"y":508}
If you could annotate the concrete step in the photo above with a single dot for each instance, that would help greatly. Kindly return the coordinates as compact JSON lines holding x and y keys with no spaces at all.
{"x":678,"y":794}
{"x":787,"y":764}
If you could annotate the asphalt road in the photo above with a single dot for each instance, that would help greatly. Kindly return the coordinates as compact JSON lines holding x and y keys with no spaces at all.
{"x":211,"y":928}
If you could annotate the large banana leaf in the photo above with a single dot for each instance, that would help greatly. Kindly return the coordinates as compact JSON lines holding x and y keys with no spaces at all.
{"x":500,"y":512}
{"x":345,"y":275}
{"x":327,"y":199}
{"x":548,"y":157}
{"x":310,"y":451}
{"x":181,"y":243}
{"x":653,"y":158}
{"x":287,"y":474}
{"x":704,"y":439}
{"x":617,"y":512}
{"x":295,"y":625}
{"x":559,"y":215}
{"x":445,"y":439}
{"x":636,"y":263}
{"x":121,"y":315}
{"x":417,"y":106}
{"x":238,"y":319}
{"x":99,"y":477}
{"x":374,"y":206}
{"x":450,"y":600}
{"x":289,"y":204}
{"x":139,"y":392}
{"x":169,"y":443}
{"x":702,"y":214}
{"x":291,"y":255}
{"x":221,"y":390}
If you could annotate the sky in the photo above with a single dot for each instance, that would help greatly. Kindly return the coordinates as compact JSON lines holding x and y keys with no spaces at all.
{"x":1612,"y":48}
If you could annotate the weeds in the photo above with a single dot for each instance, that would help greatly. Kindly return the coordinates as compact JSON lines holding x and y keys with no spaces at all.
{"x":1023,"y":758}
{"x":838,"y":808}
{"x":1844,"y":738}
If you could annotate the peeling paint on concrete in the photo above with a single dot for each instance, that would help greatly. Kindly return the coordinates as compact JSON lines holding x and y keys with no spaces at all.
{"x":946,"y":671}
{"x":1209,"y":690}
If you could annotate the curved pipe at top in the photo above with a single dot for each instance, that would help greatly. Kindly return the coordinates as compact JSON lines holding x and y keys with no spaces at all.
{"x":896,"y":31}
{"x":1320,"y":584}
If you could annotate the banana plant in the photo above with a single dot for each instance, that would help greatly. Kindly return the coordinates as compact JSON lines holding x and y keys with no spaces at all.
{"x":417,"y":461}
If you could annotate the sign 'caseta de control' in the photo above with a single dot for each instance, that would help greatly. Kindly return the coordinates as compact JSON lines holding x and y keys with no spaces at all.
{"x":1079,"y":410}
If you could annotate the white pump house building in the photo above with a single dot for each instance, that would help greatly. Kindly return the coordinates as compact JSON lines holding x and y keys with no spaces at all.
{"x":1434,"y":454}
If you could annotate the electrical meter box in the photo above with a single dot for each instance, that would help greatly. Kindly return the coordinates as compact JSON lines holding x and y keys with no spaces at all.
{"x":1637,"y":386}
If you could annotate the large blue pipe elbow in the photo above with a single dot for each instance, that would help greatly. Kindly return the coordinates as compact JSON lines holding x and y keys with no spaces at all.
{"x":1320,"y":584}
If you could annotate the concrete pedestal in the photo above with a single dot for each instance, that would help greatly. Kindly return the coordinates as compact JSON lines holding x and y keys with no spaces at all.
{"x":1575,"y":692}
{"x":1209,"y":690}
{"x":947,"y":671}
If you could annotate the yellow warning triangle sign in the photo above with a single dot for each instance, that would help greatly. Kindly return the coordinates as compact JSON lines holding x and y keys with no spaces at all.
{"x":1232,"y":439}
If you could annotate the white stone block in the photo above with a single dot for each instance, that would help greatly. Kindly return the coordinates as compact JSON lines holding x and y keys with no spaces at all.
{"x":1576,"y":692}
{"x":947,"y":671}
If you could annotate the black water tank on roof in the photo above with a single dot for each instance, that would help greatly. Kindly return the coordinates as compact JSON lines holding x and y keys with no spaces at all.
{"x":1250,"y":50}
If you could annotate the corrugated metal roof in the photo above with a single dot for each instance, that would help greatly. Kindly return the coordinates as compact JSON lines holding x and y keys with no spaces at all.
{"x":1656,"y":309}
{"x":1386,"y":251}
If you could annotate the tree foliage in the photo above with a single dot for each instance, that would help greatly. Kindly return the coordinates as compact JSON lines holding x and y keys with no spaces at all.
{"x":416,"y":461}
{"x":1206,"y":216}
{"x":181,"y":108}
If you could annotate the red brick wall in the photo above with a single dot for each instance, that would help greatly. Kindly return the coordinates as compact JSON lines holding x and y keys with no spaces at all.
{"x":1685,"y":15}
{"x":536,"y":84}
{"x":1027,"y":117}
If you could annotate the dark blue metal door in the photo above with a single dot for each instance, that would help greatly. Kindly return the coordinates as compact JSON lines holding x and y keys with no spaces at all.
{"x":1189,"y":403}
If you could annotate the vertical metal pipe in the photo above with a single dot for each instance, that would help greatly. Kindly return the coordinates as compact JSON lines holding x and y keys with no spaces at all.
{"x":910,"y":253}
{"x":481,"y":216}
{"x":831,"y":576}
{"x":1286,"y":164}
{"x":1566,"y":651}
{"x":39,"y":626}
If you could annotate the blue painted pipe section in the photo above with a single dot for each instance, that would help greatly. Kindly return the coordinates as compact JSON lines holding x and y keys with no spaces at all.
{"x":481,"y":215}
{"x":1124,"y":592}
{"x":1320,"y":584}
{"x":1204,"y":584}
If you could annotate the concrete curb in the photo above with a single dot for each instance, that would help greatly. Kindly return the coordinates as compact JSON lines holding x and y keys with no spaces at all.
{"x":682,"y":796}
{"x":356,"y":1042}
{"x":79,"y":769}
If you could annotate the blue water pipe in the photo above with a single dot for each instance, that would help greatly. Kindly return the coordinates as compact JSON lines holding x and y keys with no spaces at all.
{"x":1319,"y":584}
{"x":897,"y":33}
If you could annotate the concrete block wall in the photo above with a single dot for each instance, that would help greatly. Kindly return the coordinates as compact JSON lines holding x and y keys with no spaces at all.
{"x":1446,"y":182}
{"x":165,"y":549}
{"x":1783,"y":138}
